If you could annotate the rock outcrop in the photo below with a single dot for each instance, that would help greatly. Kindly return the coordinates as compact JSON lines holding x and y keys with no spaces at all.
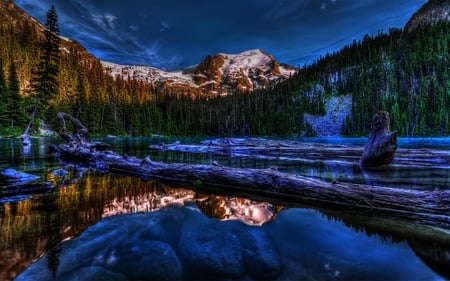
{"x":219,"y":74}
{"x":430,"y":13}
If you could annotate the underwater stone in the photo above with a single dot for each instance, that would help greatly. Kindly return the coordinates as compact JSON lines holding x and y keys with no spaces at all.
{"x":261,"y":258}
{"x":144,"y":260}
{"x":208,"y":246}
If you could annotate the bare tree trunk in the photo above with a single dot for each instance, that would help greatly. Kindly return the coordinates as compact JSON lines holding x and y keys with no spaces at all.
{"x":382,"y":143}
{"x":25,"y":137}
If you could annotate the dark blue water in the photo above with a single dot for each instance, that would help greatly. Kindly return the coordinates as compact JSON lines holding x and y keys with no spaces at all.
{"x":121,"y":228}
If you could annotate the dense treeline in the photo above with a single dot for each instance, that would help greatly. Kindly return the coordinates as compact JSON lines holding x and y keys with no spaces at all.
{"x":106,"y":105}
{"x":127,"y":107}
{"x":404,"y":73}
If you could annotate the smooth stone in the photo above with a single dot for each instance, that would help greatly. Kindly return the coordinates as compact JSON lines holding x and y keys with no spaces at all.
{"x":261,"y":258}
{"x":209,"y":248}
{"x":144,"y":260}
{"x":92,"y":273}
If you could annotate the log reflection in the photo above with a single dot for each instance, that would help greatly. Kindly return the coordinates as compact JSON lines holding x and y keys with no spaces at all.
{"x":31,"y":228}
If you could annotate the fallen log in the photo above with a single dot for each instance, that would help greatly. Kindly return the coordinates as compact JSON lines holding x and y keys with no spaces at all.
{"x":290,"y":150}
{"x":422,"y":207}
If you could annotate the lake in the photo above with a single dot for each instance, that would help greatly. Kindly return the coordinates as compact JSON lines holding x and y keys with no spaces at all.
{"x":91,"y":226}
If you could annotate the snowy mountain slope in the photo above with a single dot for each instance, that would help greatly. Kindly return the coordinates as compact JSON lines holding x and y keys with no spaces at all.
{"x":218,"y":74}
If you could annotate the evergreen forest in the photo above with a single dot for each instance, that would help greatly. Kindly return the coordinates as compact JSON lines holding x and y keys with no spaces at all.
{"x":404,"y":73}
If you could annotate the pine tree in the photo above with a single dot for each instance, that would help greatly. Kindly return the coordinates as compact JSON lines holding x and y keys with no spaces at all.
{"x":45,"y":83}
{"x":4,"y":120}
{"x":14,"y":99}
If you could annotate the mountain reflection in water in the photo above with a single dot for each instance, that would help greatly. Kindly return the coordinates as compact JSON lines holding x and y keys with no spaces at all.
{"x":33,"y":227}
{"x":311,"y":244}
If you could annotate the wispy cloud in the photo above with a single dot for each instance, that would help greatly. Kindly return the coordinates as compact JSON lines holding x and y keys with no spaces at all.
{"x":137,"y":32}
{"x":105,"y":21}
{"x":164,"y":26}
{"x":111,"y":20}
{"x":324,"y":6}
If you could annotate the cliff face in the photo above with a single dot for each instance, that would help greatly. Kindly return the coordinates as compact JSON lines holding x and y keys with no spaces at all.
{"x":218,"y":74}
{"x":430,"y":13}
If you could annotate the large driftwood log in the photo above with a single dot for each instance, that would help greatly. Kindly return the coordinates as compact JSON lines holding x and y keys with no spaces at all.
{"x":382,"y":143}
{"x":423,"y":207}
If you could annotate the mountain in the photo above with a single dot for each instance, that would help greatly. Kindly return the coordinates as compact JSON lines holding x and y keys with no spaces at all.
{"x":430,"y":13}
{"x":404,"y":73}
{"x":26,"y":31}
{"x":218,"y":74}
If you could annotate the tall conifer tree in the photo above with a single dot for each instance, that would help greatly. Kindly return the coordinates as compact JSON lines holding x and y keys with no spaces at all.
{"x":3,"y":93}
{"x":14,"y":100}
{"x":45,"y":83}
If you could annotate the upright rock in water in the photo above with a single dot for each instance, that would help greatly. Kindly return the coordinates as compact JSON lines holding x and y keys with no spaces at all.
{"x":382,"y":143}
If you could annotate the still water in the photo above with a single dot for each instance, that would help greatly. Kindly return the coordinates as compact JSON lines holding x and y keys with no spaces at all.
{"x":92,"y":226}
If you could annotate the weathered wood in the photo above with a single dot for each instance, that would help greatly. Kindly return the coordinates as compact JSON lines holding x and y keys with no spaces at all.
{"x":425,"y":207}
{"x":382,"y":144}
{"x":422,"y":207}
{"x":25,"y":137}
{"x":290,"y":150}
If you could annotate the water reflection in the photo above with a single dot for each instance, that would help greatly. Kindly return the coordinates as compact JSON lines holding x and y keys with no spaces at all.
{"x":234,"y":208}
{"x":82,"y":198}
{"x":33,"y":227}
{"x":433,"y":255}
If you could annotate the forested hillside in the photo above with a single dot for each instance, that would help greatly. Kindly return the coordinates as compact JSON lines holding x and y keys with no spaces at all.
{"x":404,"y":73}
{"x":83,"y":89}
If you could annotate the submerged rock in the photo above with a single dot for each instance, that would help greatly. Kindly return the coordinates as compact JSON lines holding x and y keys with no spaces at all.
{"x":208,"y":246}
{"x":260,"y":256}
{"x":164,"y":226}
{"x":14,"y":176}
{"x":59,"y":172}
{"x":93,"y":273}
{"x":144,"y":260}
{"x":298,"y":245}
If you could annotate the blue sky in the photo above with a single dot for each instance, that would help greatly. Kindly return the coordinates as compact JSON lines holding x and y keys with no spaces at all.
{"x":173,"y":34}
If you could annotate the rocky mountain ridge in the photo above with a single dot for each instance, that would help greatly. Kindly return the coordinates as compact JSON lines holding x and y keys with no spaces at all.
{"x":218,"y":74}
{"x":430,"y":13}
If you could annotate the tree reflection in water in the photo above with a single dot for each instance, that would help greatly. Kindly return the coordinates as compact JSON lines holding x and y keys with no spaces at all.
{"x":33,"y":227}
{"x":433,"y":254}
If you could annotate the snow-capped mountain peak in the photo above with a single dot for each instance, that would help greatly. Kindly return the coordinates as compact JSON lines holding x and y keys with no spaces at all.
{"x":216,"y":74}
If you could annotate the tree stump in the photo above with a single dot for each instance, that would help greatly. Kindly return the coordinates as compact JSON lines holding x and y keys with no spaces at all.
{"x":382,"y":144}
{"x":79,"y":137}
